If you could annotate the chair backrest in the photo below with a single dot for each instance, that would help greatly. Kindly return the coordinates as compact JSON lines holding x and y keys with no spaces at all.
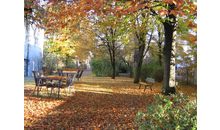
{"x":80,"y":74}
{"x":36,"y":75}
{"x":59,"y":71}
{"x":70,"y":79}
{"x":150,"y":80}
{"x":77,"y":73}
{"x":41,"y":74}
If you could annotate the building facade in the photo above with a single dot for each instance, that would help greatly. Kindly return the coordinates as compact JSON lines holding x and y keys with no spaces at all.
{"x":33,"y":48}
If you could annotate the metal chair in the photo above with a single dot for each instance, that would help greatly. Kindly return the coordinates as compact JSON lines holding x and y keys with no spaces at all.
{"x":60,"y":72}
{"x":68,"y":84}
{"x":77,"y":74}
{"x":39,"y":82}
{"x":80,"y":75}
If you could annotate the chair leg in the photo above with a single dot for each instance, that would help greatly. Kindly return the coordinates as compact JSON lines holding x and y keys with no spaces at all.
{"x":65,"y":91}
{"x":73,"y":89}
{"x":47,"y":92}
{"x":40,"y":88}
{"x":51,"y":91}
{"x":34,"y":89}
{"x":70,"y":90}
{"x":145,"y":88}
{"x":140,"y":86}
{"x":58,"y":93}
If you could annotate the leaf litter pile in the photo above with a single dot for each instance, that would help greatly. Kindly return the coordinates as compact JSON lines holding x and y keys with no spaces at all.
{"x":98,"y":103}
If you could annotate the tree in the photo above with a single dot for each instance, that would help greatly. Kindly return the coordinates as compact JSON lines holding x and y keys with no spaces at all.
{"x":141,"y":53}
{"x":157,"y":46}
{"x":187,"y":55}
{"x":170,"y":28}
{"x":169,"y":10}
{"x":166,"y":11}
{"x":50,"y":60}
{"x":66,"y":39}
{"x":110,"y":31}
{"x":127,"y":53}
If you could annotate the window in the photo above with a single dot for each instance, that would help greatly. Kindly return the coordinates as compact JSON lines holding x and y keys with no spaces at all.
{"x":33,"y":64}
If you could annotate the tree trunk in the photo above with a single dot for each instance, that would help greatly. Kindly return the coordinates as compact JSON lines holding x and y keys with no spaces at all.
{"x":159,"y":45}
{"x":160,"y":55}
{"x":113,"y":64}
{"x":140,"y":59}
{"x":130,"y":71}
{"x":138,"y":71}
{"x":195,"y":77}
{"x":169,"y":55}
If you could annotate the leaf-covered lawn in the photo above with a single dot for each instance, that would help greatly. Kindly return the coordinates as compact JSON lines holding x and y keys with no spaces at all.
{"x":99,"y":103}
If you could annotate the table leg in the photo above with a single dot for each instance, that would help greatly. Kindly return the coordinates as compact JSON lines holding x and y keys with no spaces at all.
{"x":38,"y":87}
{"x":59,"y":89}
{"x":52,"y":91}
{"x":70,"y":90}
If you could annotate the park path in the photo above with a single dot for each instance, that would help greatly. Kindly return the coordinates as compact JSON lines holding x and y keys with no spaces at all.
{"x":84,"y":73}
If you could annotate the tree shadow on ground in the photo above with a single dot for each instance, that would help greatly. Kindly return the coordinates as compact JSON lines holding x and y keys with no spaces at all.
{"x":91,"y":109}
{"x":99,"y":103}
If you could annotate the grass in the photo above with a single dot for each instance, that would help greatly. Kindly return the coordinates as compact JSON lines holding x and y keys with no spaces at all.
{"x":29,"y":81}
{"x":98,"y":103}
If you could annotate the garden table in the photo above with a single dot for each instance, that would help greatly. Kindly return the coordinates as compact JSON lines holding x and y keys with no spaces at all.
{"x":51,"y":77}
{"x":69,"y":72}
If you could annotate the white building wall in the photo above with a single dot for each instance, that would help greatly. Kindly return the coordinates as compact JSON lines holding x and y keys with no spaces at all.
{"x":35,"y":38}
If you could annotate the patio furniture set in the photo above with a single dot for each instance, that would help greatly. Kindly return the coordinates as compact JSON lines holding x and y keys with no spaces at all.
{"x":65,"y":80}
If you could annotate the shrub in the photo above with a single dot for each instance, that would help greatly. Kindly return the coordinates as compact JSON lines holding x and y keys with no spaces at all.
{"x":169,"y":112}
{"x":50,"y":61}
{"x":158,"y":75}
{"x":123,"y":68}
{"x":153,"y":70}
{"x":103,"y":67}
{"x":71,"y":65}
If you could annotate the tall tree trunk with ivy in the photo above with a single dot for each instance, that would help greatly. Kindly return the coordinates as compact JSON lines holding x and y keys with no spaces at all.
{"x":169,"y":54}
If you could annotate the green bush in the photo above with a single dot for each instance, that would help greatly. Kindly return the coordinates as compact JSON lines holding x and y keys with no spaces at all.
{"x":169,"y":112}
{"x":158,"y":75}
{"x":103,"y":67}
{"x":71,"y":65}
{"x":123,"y":68}
{"x":153,"y":70}
{"x":50,"y":61}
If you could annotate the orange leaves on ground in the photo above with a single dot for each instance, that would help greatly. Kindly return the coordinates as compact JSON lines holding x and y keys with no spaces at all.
{"x":99,"y":103}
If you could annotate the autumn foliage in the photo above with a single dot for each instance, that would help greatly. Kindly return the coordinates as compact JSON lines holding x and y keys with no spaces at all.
{"x":58,"y":14}
{"x":98,"y":103}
